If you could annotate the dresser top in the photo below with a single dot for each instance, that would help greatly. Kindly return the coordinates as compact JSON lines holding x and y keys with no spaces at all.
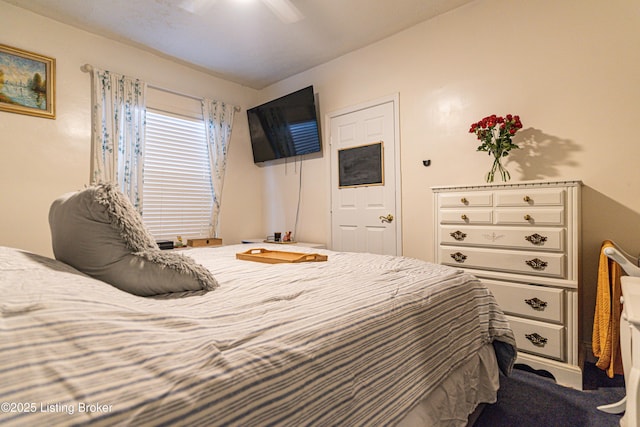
{"x":514,"y":185}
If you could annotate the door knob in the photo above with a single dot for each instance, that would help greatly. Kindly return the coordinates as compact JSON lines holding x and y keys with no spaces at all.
{"x":387,"y":218}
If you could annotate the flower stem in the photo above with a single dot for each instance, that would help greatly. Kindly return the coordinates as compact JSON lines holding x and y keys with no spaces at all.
{"x":497,"y":167}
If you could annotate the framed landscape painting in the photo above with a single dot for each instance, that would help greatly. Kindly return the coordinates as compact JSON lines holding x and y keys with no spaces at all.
{"x":27,"y":83}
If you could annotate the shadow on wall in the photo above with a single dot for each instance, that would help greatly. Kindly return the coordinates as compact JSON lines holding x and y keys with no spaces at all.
{"x":540,"y":154}
{"x":602,"y":219}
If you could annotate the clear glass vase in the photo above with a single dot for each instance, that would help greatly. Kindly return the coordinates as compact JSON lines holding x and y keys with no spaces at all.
{"x":498,"y":169}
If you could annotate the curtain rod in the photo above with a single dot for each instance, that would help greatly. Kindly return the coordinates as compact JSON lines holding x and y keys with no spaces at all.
{"x":88,"y":68}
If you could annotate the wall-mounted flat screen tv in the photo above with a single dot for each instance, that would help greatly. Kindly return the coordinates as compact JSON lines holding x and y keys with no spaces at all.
{"x":285,"y":127}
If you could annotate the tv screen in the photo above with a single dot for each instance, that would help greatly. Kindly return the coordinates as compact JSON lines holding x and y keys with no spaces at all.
{"x":284,"y":127}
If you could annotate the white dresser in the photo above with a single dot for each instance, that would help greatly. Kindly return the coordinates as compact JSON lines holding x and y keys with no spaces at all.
{"x":522,"y":240}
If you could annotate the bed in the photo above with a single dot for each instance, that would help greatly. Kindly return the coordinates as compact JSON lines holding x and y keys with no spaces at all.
{"x":356,"y":340}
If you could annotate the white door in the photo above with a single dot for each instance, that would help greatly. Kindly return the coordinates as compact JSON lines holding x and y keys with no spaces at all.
{"x":365,"y":208}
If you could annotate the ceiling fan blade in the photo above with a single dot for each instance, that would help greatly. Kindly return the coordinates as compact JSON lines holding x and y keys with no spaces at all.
{"x":285,"y":10}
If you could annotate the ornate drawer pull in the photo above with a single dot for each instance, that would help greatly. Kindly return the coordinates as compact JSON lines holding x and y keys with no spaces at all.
{"x":458,"y":235}
{"x":527,"y":199}
{"x":464,"y":201}
{"x":536,"y":339}
{"x":536,"y":264}
{"x":464,"y":217}
{"x":536,"y":304}
{"x":535,"y":239}
{"x":528,"y":217}
{"x":459,"y":257}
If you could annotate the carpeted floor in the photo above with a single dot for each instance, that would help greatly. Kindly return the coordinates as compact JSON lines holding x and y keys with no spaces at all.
{"x":528,"y":399}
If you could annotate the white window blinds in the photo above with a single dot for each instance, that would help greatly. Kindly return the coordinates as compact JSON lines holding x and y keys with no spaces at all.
{"x":177,"y":192}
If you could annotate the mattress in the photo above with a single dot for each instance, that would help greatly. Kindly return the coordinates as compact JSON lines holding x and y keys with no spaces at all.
{"x":359,"y":339}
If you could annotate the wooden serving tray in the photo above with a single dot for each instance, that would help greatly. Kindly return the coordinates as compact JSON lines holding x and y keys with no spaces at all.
{"x":275,"y":257}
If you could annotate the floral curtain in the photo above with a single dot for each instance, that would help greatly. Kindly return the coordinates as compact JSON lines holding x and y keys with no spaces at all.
{"x":118,"y":126}
{"x":218,"y":117}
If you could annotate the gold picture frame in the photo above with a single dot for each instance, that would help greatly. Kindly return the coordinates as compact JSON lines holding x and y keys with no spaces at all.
{"x":27,"y":83}
{"x":361,"y":166}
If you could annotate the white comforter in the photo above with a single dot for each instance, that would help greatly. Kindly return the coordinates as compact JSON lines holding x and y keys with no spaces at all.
{"x":355,"y":340}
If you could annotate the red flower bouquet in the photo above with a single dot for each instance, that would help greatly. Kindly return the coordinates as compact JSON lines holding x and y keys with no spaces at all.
{"x":495,"y":133}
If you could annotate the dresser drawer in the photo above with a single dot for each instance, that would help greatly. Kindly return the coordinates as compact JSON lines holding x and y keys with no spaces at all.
{"x":522,"y":262}
{"x":535,"y":302}
{"x":539,"y":338}
{"x":466,"y":216}
{"x":531,"y":197}
{"x":547,"y":239}
{"x":467,"y":199}
{"x":548,"y":216}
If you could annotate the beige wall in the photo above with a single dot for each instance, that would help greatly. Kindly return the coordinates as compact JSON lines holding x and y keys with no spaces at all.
{"x":41,"y":159}
{"x":570,"y":69}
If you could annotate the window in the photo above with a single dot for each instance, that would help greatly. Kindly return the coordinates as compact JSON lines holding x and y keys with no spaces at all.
{"x":177,"y":191}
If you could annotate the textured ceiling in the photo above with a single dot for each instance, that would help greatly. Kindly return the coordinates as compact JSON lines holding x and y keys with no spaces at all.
{"x":243,"y":40}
